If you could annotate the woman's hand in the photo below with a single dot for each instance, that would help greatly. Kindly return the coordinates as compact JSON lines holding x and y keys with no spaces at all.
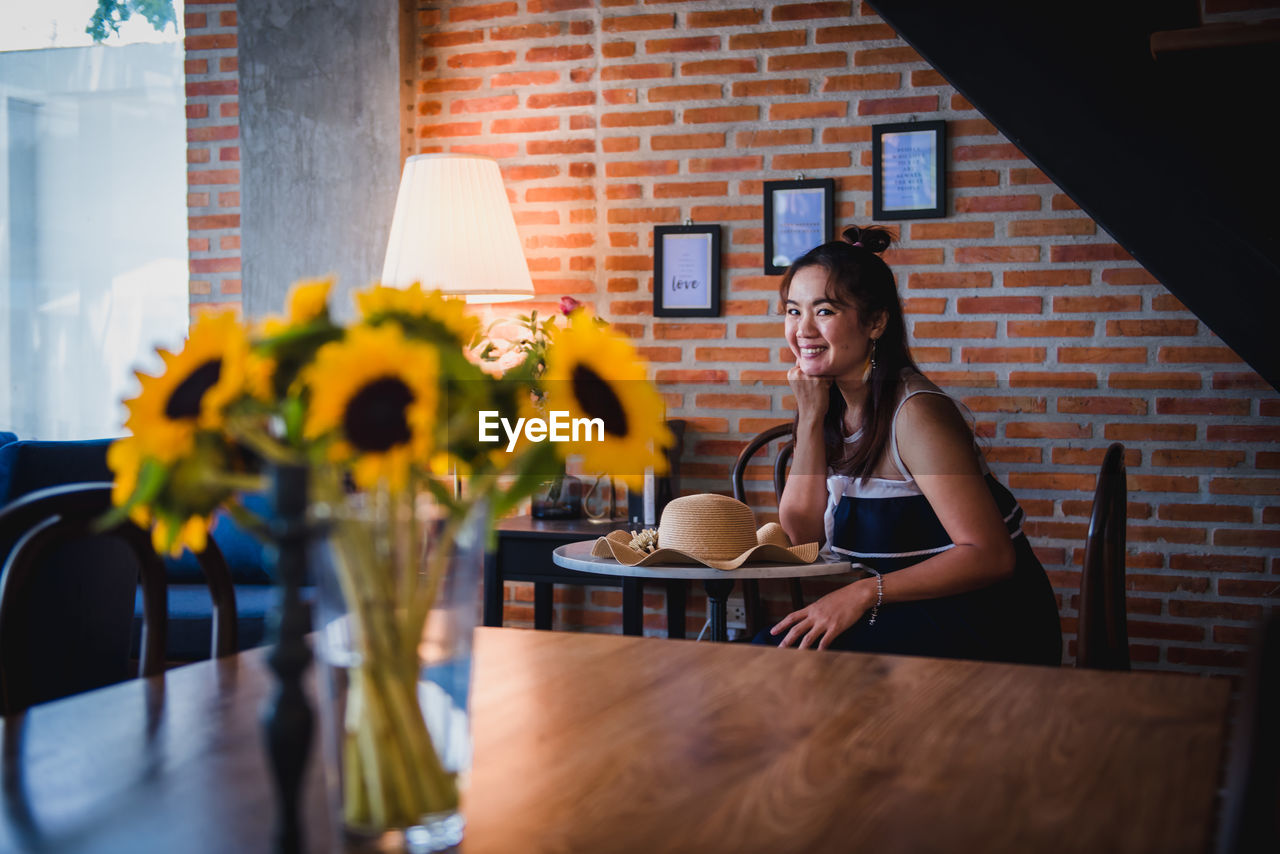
{"x":811,"y":393}
{"x":822,"y":622}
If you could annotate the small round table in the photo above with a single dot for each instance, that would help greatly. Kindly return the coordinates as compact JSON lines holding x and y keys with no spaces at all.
{"x":718,"y":582}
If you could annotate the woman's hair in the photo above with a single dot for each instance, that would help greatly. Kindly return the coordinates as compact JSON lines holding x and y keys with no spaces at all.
{"x":857,"y":276}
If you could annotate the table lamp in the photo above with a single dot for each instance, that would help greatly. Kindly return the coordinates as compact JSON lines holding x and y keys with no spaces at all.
{"x":453,"y":231}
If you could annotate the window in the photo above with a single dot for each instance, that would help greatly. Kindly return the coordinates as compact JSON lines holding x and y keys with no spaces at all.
{"x":93,"y":255}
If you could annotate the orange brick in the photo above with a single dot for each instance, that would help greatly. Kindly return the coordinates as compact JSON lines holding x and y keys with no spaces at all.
{"x":999,"y":305}
{"x":1172,"y":457}
{"x":726,"y":164}
{"x":892,"y":106}
{"x":674,"y":142}
{"x":1152,"y":432}
{"x":765,"y":138}
{"x":1151,"y":327}
{"x":714,"y":213}
{"x":1052,"y":379}
{"x":694,"y":44}
{"x":987,"y":403}
{"x":886,"y":56}
{"x":718,"y":67}
{"x":1045,"y":278}
{"x":862,"y":82}
{"x":1154,"y":379}
{"x":1043,"y":227}
{"x":699,"y":92}
{"x":690,"y":189}
{"x":1202,"y":406}
{"x":767,"y":40}
{"x":972,"y":279}
{"x":812,"y":160}
{"x":977,"y":178}
{"x":638,"y":23}
{"x":1239,"y":380}
{"x":640,"y":71}
{"x":1019,"y":177}
{"x":1050,"y":328}
{"x":454,"y":39}
{"x":808,"y":11}
{"x":724,"y":18}
{"x":1102,"y":355}
{"x":1214,"y":355}
{"x":924,"y":305}
{"x":740,"y":113}
{"x":1167,"y":302}
{"x":732,"y":354}
{"x":692,"y":376}
{"x":217,"y":41}
{"x":995,"y":355}
{"x":1098,"y":305}
{"x":987,"y":204}
{"x":1103,"y":405}
{"x":483,"y":59}
{"x":1056,"y":481}
{"x":484,"y":105}
{"x":955,"y":329}
{"x":790,"y":86}
{"x":997,"y":254}
{"x":1048,"y":430}
{"x":485,"y":12}
{"x":733,"y":401}
{"x":804,"y":61}
{"x":631,"y":169}
{"x":858,"y":33}
{"x":951,"y":230}
{"x":649,"y":118}
{"x":993,"y":151}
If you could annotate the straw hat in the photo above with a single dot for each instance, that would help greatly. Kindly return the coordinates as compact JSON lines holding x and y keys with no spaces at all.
{"x":713,"y":530}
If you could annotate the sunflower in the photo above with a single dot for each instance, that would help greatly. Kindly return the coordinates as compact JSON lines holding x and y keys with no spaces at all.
{"x":373,"y":394}
{"x":418,"y":310}
{"x":593,"y":372}
{"x":171,"y":535}
{"x":308,"y":301}
{"x":196,"y":386}
{"x":125,"y":461}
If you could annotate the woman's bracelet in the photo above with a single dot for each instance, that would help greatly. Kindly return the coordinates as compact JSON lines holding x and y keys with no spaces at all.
{"x":875,"y":609}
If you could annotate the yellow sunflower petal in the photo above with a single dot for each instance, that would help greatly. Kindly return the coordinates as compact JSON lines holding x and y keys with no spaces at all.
{"x":307,"y":300}
{"x":193,"y":391}
{"x":594,"y":372}
{"x":373,"y":396}
{"x":414,"y":302}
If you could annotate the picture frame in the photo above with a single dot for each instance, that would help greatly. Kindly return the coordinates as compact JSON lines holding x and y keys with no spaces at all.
{"x":798,"y":215}
{"x":909,"y":170}
{"x":686,"y":271}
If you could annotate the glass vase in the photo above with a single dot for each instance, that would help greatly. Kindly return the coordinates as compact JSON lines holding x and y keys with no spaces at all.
{"x":559,"y":498}
{"x":397,"y":601}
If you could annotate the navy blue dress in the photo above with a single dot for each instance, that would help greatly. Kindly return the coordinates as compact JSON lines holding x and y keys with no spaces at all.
{"x":889,"y":525}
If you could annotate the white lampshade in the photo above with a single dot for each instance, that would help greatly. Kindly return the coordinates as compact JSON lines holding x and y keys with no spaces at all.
{"x":453,"y":231}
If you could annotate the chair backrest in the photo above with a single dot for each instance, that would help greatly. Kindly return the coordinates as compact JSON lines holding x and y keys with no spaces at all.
{"x":738,"y":472}
{"x":1102,"y":640}
{"x":1250,"y":819}
{"x":67,"y":594}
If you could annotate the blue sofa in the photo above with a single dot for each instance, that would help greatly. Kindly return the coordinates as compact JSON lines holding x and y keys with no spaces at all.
{"x":27,"y":465}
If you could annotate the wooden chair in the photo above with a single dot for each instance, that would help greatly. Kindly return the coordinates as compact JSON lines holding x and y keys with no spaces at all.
{"x":1250,"y":818}
{"x":1102,"y":639}
{"x":751,"y":587}
{"x":67,"y":597}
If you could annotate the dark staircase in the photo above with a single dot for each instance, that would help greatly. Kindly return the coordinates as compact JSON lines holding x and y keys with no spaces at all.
{"x":1161,"y":130}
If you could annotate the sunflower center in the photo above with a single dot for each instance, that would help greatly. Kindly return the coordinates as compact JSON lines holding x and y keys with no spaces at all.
{"x":185,"y":400}
{"x":598,"y":400}
{"x":375,"y":416}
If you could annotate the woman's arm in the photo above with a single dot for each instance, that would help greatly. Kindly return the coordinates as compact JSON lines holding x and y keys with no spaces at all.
{"x":937,"y":449}
{"x":804,"y":498}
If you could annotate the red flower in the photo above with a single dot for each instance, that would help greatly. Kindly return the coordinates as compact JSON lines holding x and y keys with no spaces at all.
{"x":568,"y":305}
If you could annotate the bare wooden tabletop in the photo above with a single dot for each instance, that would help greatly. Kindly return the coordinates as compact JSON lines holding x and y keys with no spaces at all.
{"x":608,"y":743}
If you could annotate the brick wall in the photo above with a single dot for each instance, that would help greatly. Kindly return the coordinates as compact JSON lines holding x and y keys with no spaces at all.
{"x":609,"y":118}
{"x":213,"y":154}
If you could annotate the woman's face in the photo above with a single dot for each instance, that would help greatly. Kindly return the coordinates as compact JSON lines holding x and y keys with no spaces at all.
{"x":828,"y":339}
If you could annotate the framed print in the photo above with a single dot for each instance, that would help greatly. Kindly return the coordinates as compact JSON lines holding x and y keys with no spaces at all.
{"x":798,"y":215}
{"x":909,"y":170}
{"x":686,"y":271}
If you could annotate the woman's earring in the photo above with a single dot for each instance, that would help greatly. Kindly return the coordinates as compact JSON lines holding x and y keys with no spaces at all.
{"x":873,"y":354}
{"x":871,"y":362}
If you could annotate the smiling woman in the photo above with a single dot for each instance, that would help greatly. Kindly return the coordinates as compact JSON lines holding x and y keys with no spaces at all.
{"x":887,"y":473}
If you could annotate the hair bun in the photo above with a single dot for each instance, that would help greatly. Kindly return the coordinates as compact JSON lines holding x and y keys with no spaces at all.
{"x":871,"y":237}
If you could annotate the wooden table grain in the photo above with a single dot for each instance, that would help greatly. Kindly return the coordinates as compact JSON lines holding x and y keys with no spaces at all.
{"x":608,"y":743}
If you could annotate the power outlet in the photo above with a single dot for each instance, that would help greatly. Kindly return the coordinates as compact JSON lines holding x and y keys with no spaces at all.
{"x":735,"y":613}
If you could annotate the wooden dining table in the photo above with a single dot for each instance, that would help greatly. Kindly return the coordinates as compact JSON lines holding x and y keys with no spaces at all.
{"x":594,"y":743}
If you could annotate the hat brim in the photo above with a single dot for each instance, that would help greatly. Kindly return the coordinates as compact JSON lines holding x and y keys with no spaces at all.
{"x":616,"y":545}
